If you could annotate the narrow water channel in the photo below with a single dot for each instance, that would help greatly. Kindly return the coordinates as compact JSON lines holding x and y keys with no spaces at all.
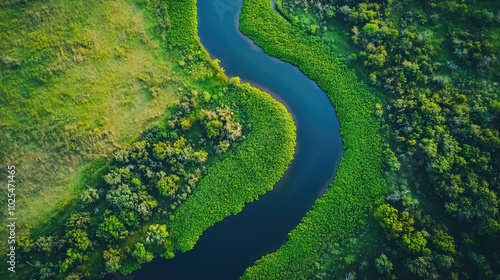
{"x":225,"y":250}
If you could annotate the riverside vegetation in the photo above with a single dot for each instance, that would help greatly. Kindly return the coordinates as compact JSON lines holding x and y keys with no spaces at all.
{"x":189,"y":169}
{"x":437,"y":63}
{"x":343,"y":210}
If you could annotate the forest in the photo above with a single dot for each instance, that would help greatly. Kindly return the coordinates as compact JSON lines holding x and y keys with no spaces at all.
{"x":130,"y":141}
{"x":436,"y":65}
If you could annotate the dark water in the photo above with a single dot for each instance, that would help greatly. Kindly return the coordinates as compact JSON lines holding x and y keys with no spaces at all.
{"x":225,"y":250}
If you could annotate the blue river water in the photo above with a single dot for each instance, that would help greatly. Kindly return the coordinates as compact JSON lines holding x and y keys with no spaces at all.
{"x":225,"y":250}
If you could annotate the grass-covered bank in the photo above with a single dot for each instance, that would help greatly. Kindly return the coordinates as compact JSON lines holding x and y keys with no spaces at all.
{"x":251,"y":171}
{"x":345,"y":206}
{"x":221,"y":146}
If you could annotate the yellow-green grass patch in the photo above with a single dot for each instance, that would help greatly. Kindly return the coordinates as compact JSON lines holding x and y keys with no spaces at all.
{"x":77,"y":79}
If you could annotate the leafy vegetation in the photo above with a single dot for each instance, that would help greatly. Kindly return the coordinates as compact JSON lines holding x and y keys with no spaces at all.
{"x":438,"y":64}
{"x":344,"y":208}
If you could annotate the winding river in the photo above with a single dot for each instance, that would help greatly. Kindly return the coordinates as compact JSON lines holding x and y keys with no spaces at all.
{"x":225,"y":250}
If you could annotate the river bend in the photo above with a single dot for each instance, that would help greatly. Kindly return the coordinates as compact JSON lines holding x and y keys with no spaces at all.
{"x":225,"y":250}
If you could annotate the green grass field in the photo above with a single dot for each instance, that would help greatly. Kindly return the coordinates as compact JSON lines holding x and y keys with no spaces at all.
{"x":77,"y":80}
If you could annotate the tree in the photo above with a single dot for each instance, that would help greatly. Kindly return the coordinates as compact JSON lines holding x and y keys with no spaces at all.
{"x":185,"y":124}
{"x":139,"y":151}
{"x":388,"y":217}
{"x":391,"y":160}
{"x":79,"y":239}
{"x":383,"y":265}
{"x":72,"y":256}
{"x":146,"y":206}
{"x":122,"y":198}
{"x":157,"y":234}
{"x":117,"y":176}
{"x":160,"y":150}
{"x":112,"y":259}
{"x":129,"y":218}
{"x":141,"y":254}
{"x":223,"y":146}
{"x":200,"y":156}
{"x":422,"y":267}
{"x":47,"y":272}
{"x":313,"y":28}
{"x":89,"y":195}
{"x":111,"y":229}
{"x":371,"y":29}
{"x":168,"y":185}
{"x":444,"y":241}
{"x":213,"y":128}
{"x":414,"y":242}
{"x":78,"y":221}
{"x":45,"y":244}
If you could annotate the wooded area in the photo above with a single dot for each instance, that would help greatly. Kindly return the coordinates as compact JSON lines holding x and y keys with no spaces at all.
{"x":437,"y":65}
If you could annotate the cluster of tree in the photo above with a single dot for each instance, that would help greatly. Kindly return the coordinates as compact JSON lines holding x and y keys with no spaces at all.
{"x":155,"y":174}
{"x":438,"y":63}
{"x":220,"y":126}
{"x":420,"y":248}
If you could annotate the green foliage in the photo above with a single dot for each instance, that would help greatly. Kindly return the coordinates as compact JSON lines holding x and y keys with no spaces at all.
{"x":112,"y":257}
{"x":358,"y":183}
{"x":72,"y":257}
{"x":157,"y":234}
{"x":78,"y":221}
{"x":141,"y":254}
{"x":46,"y":244}
{"x":213,"y":128}
{"x":272,"y":136}
{"x":111,"y":229}
{"x":174,"y":172}
{"x":389,"y":219}
{"x":89,"y":195}
{"x":383,"y":265}
{"x":79,"y":239}
{"x":414,"y":242}
{"x":444,"y":241}
{"x":184,"y":26}
{"x":168,"y":185}
{"x":370,"y":29}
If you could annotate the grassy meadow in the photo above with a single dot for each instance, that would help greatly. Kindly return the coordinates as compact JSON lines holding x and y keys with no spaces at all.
{"x":77,"y":80}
